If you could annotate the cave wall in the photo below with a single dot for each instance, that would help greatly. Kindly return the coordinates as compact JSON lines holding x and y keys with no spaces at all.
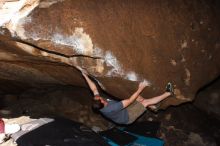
{"x":208,"y":99}
{"x":119,"y":43}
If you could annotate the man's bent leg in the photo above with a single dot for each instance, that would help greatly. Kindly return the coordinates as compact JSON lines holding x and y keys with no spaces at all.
{"x":140,"y":99}
{"x":155,"y":100}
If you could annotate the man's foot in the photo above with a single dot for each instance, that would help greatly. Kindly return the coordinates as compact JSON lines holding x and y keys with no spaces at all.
{"x":170,"y":88}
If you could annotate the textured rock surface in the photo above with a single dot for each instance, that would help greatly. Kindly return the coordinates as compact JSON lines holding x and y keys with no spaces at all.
{"x":117,"y":42}
{"x":208,"y":99}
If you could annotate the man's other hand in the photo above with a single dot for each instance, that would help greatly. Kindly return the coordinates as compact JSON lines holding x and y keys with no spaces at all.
{"x":83,"y":71}
{"x":144,"y":83}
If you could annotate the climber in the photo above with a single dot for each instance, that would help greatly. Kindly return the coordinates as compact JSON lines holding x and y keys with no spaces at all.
{"x":127,"y":110}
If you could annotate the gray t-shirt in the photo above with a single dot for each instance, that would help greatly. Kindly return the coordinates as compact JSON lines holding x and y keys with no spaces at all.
{"x":115,"y":111}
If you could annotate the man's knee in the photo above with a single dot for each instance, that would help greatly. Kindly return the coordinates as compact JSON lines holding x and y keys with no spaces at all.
{"x":140,"y":99}
{"x":146,"y":103}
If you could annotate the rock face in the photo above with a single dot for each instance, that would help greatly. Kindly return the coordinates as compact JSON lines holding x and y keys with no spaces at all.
{"x":119,"y":43}
{"x":208,"y":99}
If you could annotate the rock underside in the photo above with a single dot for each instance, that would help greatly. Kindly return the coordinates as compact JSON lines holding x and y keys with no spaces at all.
{"x":118,"y":43}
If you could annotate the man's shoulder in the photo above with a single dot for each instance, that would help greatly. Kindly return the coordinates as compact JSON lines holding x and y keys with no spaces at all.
{"x":111,"y":101}
{"x":112,"y":106}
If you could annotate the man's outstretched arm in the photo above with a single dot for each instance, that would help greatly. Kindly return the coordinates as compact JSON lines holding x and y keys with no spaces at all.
{"x":135,"y":95}
{"x":91,"y":84}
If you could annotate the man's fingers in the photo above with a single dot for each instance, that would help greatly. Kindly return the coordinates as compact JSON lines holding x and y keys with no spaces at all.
{"x":79,"y":68}
{"x":82,"y":70}
{"x":146,"y":83}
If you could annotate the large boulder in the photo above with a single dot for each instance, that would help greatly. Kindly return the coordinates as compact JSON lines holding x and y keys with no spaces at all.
{"x":119,"y":43}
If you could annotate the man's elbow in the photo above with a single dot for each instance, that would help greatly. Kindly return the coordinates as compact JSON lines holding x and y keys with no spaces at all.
{"x":95,"y":91}
{"x":126,"y":103}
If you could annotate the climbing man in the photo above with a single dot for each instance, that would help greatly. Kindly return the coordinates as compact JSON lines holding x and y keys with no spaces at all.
{"x":128,"y":110}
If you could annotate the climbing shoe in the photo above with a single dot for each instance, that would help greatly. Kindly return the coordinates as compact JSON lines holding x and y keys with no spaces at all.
{"x":170,"y":88}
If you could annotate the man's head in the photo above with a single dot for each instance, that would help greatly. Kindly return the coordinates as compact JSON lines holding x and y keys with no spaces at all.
{"x":98,"y":103}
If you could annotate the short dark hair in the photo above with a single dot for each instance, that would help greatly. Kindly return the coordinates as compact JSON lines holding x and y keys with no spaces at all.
{"x":97,"y":105}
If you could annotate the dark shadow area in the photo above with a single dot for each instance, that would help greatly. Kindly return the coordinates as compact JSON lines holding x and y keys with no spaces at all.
{"x":210,"y":84}
{"x":67,"y":101}
{"x":186,"y":125}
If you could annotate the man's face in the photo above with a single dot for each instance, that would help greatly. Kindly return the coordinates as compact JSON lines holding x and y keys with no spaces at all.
{"x":101,"y":99}
{"x":97,"y":98}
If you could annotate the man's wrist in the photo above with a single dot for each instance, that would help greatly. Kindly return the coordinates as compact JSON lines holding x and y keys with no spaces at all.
{"x":85,"y":75}
{"x":141,"y":88}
